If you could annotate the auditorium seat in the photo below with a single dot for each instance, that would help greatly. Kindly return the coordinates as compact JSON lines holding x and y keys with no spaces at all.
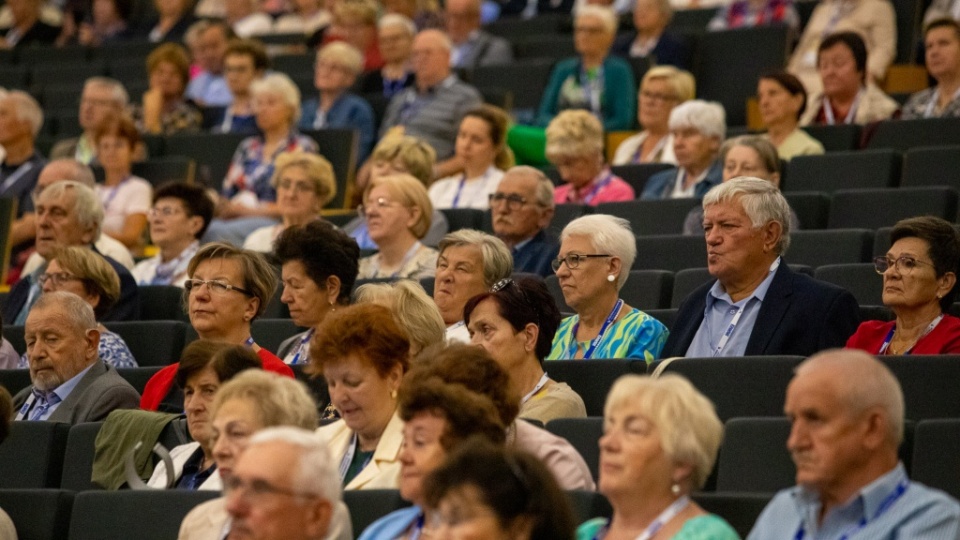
{"x":563,"y":214}
{"x":539,"y":46}
{"x":138,"y":376}
{"x":672,"y":252}
{"x":160,"y":170}
{"x":161,"y":303}
{"x":836,"y":138}
{"x":588,"y":505}
{"x":686,"y":281}
{"x":152,"y":514}
{"x":591,"y":379}
{"x":874,"y":208}
{"x":860,"y":279}
{"x":38,"y":514}
{"x":463,"y":218}
{"x":339,"y":147}
{"x":664,"y":216}
{"x":932,"y":166}
{"x":270,"y":333}
{"x":524,"y":78}
{"x":811,"y":207}
{"x":754,"y":456}
{"x":902,"y":135}
{"x":369,"y":505}
{"x":637,"y":174}
{"x":861,"y":169}
{"x":78,"y":457}
{"x":648,"y":289}
{"x":14,"y":380}
{"x":929,"y":384}
{"x":881,"y":241}
{"x":584,"y":434}
{"x":741,"y":510}
{"x":153,"y":343}
{"x":211,"y":151}
{"x":936,"y":463}
{"x":665,"y":316}
{"x":835,"y":246}
{"x":32,"y":456}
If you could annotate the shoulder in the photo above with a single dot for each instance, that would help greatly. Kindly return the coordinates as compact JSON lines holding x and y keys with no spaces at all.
{"x":391,"y":525}
{"x":618,"y":66}
{"x":567,"y":65}
{"x":779,"y":519}
{"x":589,"y":529}
{"x":707,"y":527}
{"x":929,"y":513}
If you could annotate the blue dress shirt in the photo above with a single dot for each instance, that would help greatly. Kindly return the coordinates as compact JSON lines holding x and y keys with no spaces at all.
{"x":63,"y":391}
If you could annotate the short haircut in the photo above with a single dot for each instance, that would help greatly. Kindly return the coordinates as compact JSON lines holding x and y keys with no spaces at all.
{"x":467,"y":413}
{"x":496,"y":119}
{"x":224,"y":359}
{"x":942,"y":22}
{"x":606,"y":14}
{"x":344,"y":55}
{"x":323,"y":250}
{"x":195,"y":201}
{"x":690,"y":431}
{"x":609,"y":235}
{"x":410,"y":192}
{"x":117,"y":125}
{"x":316,"y":472}
{"x":96,"y":274}
{"x":416,"y":155}
{"x":251,"y":48}
{"x":790,"y":83}
{"x":79,"y":172}
{"x":439,"y":37}
{"x":278,"y":400}
{"x":707,"y":117}
{"x":120,"y":94}
{"x":682,"y":82}
{"x":258,"y":276}
{"x":317,"y":168}
{"x":78,"y":312}
{"x":761,"y":201}
{"x":87,"y":205}
{"x":574,"y":133}
{"x":759,"y":144}
{"x":6,"y":413}
{"x":412,"y":308}
{"x":544,"y":190}
{"x":943,"y":243}
{"x":497,"y":260}
{"x":170,"y":53}
{"x":281,"y":85}
{"x":521,"y":302}
{"x":395,"y":19}
{"x":853,"y":42}
{"x":367,"y":331}
{"x":364,"y":11}
{"x":27,"y":110}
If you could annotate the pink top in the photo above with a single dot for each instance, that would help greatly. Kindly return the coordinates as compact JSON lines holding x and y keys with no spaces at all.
{"x":606,"y":187}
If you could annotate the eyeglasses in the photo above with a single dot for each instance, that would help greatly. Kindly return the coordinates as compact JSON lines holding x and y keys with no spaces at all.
{"x":573,"y":260}
{"x":904,"y":263}
{"x":654,"y":96}
{"x":58,"y":278}
{"x":302,"y":187}
{"x":165,"y":211}
{"x":514,"y":202}
{"x":379,"y":203}
{"x":256,"y":490}
{"x":215,"y":286}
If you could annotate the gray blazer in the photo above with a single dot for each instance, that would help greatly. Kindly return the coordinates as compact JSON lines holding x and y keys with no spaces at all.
{"x":99,"y":392}
{"x":487,"y":50}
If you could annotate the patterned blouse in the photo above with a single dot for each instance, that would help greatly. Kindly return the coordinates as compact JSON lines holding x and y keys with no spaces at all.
{"x":113,"y":350}
{"x":251,"y":171}
{"x":182,"y":117}
{"x":919,"y":106}
{"x":636,"y":335}
{"x":422,"y":264}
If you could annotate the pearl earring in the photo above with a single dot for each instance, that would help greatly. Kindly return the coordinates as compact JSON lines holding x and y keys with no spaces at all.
{"x":611,"y":277}
{"x":675,"y":489}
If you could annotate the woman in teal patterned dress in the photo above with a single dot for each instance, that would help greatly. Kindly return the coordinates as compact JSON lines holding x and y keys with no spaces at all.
{"x":596,"y":253}
{"x":659,"y":443}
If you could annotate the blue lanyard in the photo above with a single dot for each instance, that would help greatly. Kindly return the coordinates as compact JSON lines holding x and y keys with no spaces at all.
{"x":456,"y":196}
{"x":669,"y":513}
{"x":593,"y":101}
{"x":614,"y":313}
{"x":592,"y":192}
{"x":303,"y":341}
{"x":884,"y":506}
{"x":113,"y":193}
{"x":886,"y":342}
{"x":249,"y":342}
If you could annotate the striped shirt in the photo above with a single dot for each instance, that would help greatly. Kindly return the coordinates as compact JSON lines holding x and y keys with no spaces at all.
{"x":636,"y":335}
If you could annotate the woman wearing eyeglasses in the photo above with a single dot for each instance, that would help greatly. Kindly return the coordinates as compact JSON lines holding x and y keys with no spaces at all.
{"x":397,"y":211}
{"x":596,"y":254}
{"x":227,"y":289}
{"x":919,"y":283}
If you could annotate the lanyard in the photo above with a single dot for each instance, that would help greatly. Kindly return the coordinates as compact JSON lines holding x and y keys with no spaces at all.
{"x":303,"y":341}
{"x":227,"y":123}
{"x":897,"y":492}
{"x":652,"y":155}
{"x":403,"y":263}
{"x":348,"y":458}
{"x":594,"y":189}
{"x":249,"y":342}
{"x":934,"y":99}
{"x":320,"y":121}
{"x":418,"y":527}
{"x":886,"y":342}
{"x":592,"y":89}
{"x":23,"y":169}
{"x":543,"y":381}
{"x":669,"y":513}
{"x":166,"y":271}
{"x":614,"y":313}
{"x":113,"y":193}
{"x":839,"y":11}
{"x":463,"y":182}
{"x":828,"y":110}
{"x":736,"y":318}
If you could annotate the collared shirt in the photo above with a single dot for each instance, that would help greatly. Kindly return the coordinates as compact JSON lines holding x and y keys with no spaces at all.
{"x":193,"y":477}
{"x":461,"y":51}
{"x":63,"y":392}
{"x":718,"y":315}
{"x":920,"y":512}
{"x":679,"y":192}
{"x":210,"y":89}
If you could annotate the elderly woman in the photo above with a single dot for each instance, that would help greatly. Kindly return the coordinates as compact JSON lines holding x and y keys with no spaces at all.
{"x":304,"y":184}
{"x":412,"y":308}
{"x":248,"y":200}
{"x":355,"y":22}
{"x":204,"y":367}
{"x":318,"y":266}
{"x":178,"y":218}
{"x":335,"y":72}
{"x":397,"y":210}
{"x":395,"y":40}
{"x":226,"y":290}
{"x":594,"y":80}
{"x":848,"y":97}
{"x":439,"y":418}
{"x":919,"y":284}
{"x":244,"y":62}
{"x":698,"y":128}
{"x":782,"y":101}
{"x":659,"y":443}
{"x":362,"y":354}
{"x":481,"y":147}
{"x":941,"y":40}
{"x":515,"y":323}
{"x":652,"y":38}
{"x":596,"y":253}
{"x":662,"y":89}
{"x":125,"y":198}
{"x":164,"y":110}
{"x":575,"y":147}
{"x":470,"y":262}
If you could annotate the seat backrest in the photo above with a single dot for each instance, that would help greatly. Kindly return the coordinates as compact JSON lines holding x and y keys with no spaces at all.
{"x":584,"y":434}
{"x":860,"y":279}
{"x":666,"y":316}
{"x":836,"y":246}
{"x":740,"y":510}
{"x":903,"y":135}
{"x":369,"y":505}
{"x":153,"y":514}
{"x":665,"y":216}
{"x":863,"y":169}
{"x":637,"y":174}
{"x":270,"y":333}
{"x":8,"y":212}
{"x":14,"y":380}
{"x":340,"y":147}
{"x":563,"y":214}
{"x":686,"y":281}
{"x":874,"y":208}
{"x":159,"y":171}
{"x":928,"y":383}
{"x":153,"y":343}
{"x":161,"y":303}
{"x":78,"y":458}
{"x":836,"y":138}
{"x":38,"y":514}
{"x":589,"y":504}
{"x":932,"y":166}
{"x":14,"y":334}
{"x":648,"y":289}
{"x":935,"y":461}
{"x":811,"y":207}
{"x":211,"y":151}
{"x":591,"y":379}
{"x":754,"y":456}
{"x":463,"y":218}
{"x":672,"y":252}
{"x":32,"y":456}
{"x":524,"y":78}
{"x":138,"y":376}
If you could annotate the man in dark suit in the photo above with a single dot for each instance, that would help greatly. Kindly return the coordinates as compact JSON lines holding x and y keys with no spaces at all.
{"x":521,"y":210}
{"x":757,"y":305}
{"x":472,"y":47}
{"x":69,"y":381}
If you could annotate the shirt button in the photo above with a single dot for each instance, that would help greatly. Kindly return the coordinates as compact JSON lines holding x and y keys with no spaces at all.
{"x":732,"y":311}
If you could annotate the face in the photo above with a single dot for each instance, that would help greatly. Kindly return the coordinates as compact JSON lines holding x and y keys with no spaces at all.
{"x":647,"y":18}
{"x":214,"y":314}
{"x":838,"y":71}
{"x":297,"y":196}
{"x":430,"y":61}
{"x":239,"y":72}
{"x":69,"y":283}
{"x":915,"y":287}
{"x":745,"y":161}
{"x":57,"y":223}
{"x":942,"y":52}
{"x":166,"y":77}
{"x":590,"y":38}
{"x":211,"y":46}
{"x":197,"y":399}
{"x":459,"y":278}
{"x":354,"y":31}
{"x":170,"y":7}
{"x":271,"y":111}
{"x":361,"y":394}
{"x":461,"y":18}
{"x":309,"y":303}
{"x":395,"y":43}
{"x":105,"y":12}
{"x":494,"y":334}
{"x":776,"y":103}
{"x":463,"y":515}
{"x":584,"y":283}
{"x":474,"y":144}
{"x":383,"y":167}
{"x":11,"y":127}
{"x":56,"y":349}
{"x":631,"y":454}
{"x":114,"y":153}
{"x":693,"y":149}
{"x":734,"y":247}
{"x":516,"y":221}
{"x":96,"y":102}
{"x":235,"y":422}
{"x":579,"y":170}
{"x":657,"y":99}
{"x":420,"y":453}
{"x":331,"y":76}
{"x":390,"y":220}
{"x":170,"y":223}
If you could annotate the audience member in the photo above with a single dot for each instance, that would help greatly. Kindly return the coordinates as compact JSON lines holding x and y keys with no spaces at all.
{"x":782,"y":100}
{"x":209,"y":88}
{"x":7,"y":529}
{"x":69,"y":382}
{"x":753,"y":13}
{"x":101,"y":96}
{"x":515,"y":323}
{"x":846,"y":410}
{"x":163,"y":110}
{"x":170,"y":25}
{"x":662,"y":89}
{"x":940,"y":9}
{"x":244,"y":63}
{"x":575,"y":147}
{"x":919,"y":284}
{"x":472,"y":46}
{"x":108,"y":24}
{"x":355,"y":22}
{"x":651,"y":38}
{"x":27,"y":28}
{"x":10,"y":359}
{"x":305,"y":17}
{"x":521,"y":209}
{"x":470,"y":262}
{"x":20,"y":121}
{"x":942,"y":50}
{"x":757,"y":305}
{"x":304,"y":184}
{"x":412,"y":309}
{"x":395,"y":41}
{"x":698,"y":129}
{"x":125,"y":198}
{"x":246,"y":19}
{"x":178,"y":218}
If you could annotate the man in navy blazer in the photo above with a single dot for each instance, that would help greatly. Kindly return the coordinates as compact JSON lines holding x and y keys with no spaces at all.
{"x":521,"y":210}
{"x":757,"y":305}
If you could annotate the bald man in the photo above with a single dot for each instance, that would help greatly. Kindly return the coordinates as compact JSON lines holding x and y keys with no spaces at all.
{"x":846,"y":409}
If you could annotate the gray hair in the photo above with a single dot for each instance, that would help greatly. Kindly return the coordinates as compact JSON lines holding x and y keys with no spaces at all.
{"x":608,"y":234}
{"x":497,"y":260}
{"x":544,"y":189}
{"x":344,"y":54}
{"x":27,"y":109}
{"x":442,"y":38}
{"x":316,"y":474}
{"x":395,"y":19}
{"x":759,"y":144}
{"x":78,"y":171}
{"x":606,"y":14}
{"x":707,"y":117}
{"x":761,"y":201}
{"x":76,"y":309}
{"x":282,"y":85}
{"x":87,"y":206}
{"x":120,"y":94}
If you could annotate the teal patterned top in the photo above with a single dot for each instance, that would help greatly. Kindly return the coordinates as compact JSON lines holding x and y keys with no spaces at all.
{"x":708,"y":527}
{"x":636,"y":335}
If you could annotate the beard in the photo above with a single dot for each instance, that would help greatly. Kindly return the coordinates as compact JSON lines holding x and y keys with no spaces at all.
{"x":46,"y":380}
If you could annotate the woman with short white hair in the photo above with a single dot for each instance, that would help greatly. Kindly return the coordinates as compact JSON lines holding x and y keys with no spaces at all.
{"x":698,"y":128}
{"x":575,"y":147}
{"x":596,"y":254}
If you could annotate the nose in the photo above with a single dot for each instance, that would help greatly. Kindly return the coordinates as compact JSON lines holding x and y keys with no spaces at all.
{"x":236,"y":504}
{"x":221,"y":449}
{"x":336,"y":394}
{"x":563,"y":270}
{"x":47,"y":286}
{"x":713,"y":236}
{"x":286,"y":296}
{"x":797,"y":437}
{"x":607,"y":441}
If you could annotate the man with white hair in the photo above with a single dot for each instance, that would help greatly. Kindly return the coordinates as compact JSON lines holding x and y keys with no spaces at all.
{"x":20,"y":122}
{"x":472,"y":47}
{"x":522,"y":209}
{"x":101,"y":96}
{"x":698,"y":128}
{"x":846,"y":411}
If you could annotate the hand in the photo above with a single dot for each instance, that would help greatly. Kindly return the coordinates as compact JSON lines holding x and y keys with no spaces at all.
{"x":152,"y":109}
{"x":86,"y":36}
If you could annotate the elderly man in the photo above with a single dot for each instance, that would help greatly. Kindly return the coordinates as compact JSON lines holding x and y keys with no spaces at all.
{"x":847,"y":414}
{"x":433,"y":107}
{"x":472,"y":47}
{"x":522,"y":208}
{"x":68,"y":214}
{"x":698,"y":128}
{"x":69,"y":381}
{"x":20,"y":121}
{"x":209,"y":46}
{"x":27,"y":27}
{"x":757,"y":305}
{"x":101,"y":96}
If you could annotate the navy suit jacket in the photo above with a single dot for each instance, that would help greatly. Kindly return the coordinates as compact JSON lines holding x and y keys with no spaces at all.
{"x":535,"y":256}
{"x":799,"y":316}
{"x":660,"y":185}
{"x":671,"y":49}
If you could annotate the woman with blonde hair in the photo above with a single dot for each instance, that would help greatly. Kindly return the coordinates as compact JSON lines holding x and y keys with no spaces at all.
{"x":412,"y":308}
{"x":575,"y":147}
{"x":662,"y":89}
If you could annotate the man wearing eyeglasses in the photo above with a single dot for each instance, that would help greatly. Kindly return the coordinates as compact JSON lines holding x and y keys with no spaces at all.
{"x":522,"y":209}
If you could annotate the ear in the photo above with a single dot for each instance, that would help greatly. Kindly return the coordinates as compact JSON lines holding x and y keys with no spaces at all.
{"x":414,"y":216}
{"x":195,"y":223}
{"x":250,"y":311}
{"x":394,"y":376}
{"x":546,"y":216}
{"x":682,"y":472}
{"x":521,"y":527}
{"x":875,"y":428}
{"x":775,"y":178}
{"x":333,"y":288}
{"x":772,"y":232}
{"x":946,"y":283}
{"x":530,"y":334}
{"x":615,"y":267}
{"x":318,"y":515}
{"x":92,"y":344}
